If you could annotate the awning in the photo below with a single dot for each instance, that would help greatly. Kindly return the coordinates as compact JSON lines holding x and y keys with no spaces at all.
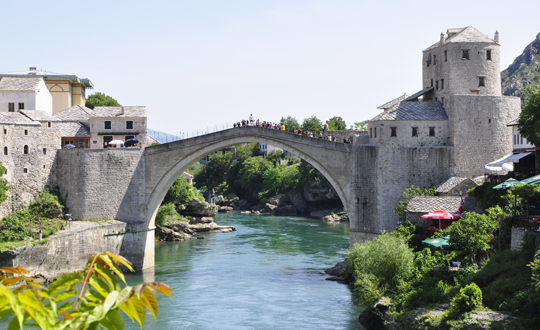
{"x":438,"y":243}
{"x":510,"y":183}
{"x":531,"y":180}
{"x":533,"y":149}
{"x":500,"y":164}
{"x":515,"y":158}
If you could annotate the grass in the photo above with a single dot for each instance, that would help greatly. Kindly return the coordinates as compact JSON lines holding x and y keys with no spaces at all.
{"x":13,"y":245}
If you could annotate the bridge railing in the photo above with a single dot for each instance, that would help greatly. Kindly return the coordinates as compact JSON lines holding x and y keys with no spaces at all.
{"x":197,"y":132}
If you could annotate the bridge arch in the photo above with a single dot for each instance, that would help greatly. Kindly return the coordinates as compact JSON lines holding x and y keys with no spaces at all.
{"x":165,"y":163}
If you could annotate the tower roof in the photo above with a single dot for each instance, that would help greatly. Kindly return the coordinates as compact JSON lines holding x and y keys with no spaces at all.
{"x":19,"y":84}
{"x":463,"y":35}
{"x":33,"y":72}
{"x":414,"y":111}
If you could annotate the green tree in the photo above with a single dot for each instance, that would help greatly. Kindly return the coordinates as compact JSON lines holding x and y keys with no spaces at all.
{"x":4,"y":186}
{"x":312,"y":124}
{"x":100,"y":100}
{"x":337,"y":124}
{"x":290,"y":123}
{"x":361,"y":125}
{"x":529,"y":118}
{"x":251,"y":175}
{"x":274,"y":156}
{"x":181,"y":192}
{"x":380,"y":266}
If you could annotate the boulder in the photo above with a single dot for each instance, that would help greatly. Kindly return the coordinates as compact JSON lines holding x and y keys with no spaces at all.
{"x":297,"y":200}
{"x":320,"y":214}
{"x":269,"y":208}
{"x":279,"y":200}
{"x":373,"y":317}
{"x":225,"y":209}
{"x":167,"y":234}
{"x":336,"y":217}
{"x":338,"y":269}
{"x":255,"y":208}
{"x":286,"y":210}
{"x":231,"y":196}
{"x":195,"y":220}
{"x":198,"y":208}
{"x":243,"y":204}
{"x":314,"y":195}
{"x":219,"y":200}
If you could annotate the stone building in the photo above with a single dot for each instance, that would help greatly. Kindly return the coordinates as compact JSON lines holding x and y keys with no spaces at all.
{"x":452,"y":127}
{"x":66,"y":90}
{"x":24,"y":93}
{"x":117,"y":123}
{"x":75,"y":126}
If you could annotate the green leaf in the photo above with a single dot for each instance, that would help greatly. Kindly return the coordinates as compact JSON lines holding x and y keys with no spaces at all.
{"x":94,"y":296}
{"x":108,"y":276}
{"x":14,"y":302}
{"x":134,"y":308}
{"x":114,"y":266}
{"x":14,"y":324}
{"x":64,"y":282}
{"x":115,"y":319}
{"x":124,"y":296}
{"x":65,"y":295}
{"x":149,"y":300}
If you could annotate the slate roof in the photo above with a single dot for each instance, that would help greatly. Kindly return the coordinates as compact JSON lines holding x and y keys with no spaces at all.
{"x":394,"y":103}
{"x":449,"y":184}
{"x":426,"y":204}
{"x":414,"y":111}
{"x":16,"y":118}
{"x":468,"y":34}
{"x":418,"y":94}
{"x":117,"y":112}
{"x":38,"y":115}
{"x":513,"y":122}
{"x":150,"y":140}
{"x":19,"y":84}
{"x":73,"y":129}
{"x":75,"y":113}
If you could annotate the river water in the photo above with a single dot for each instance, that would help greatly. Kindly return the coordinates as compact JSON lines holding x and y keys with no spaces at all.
{"x":269,"y":274}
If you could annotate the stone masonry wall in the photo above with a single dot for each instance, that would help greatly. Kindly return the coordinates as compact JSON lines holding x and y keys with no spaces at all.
{"x":103,"y":183}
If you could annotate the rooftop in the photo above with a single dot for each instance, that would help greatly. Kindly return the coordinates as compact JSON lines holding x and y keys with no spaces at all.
{"x":463,"y":35}
{"x":414,"y":111}
{"x":38,"y":115}
{"x":426,"y":204}
{"x":9,"y":84}
{"x":394,"y":103}
{"x":139,"y":111}
{"x":73,"y":129}
{"x":513,"y":122}
{"x":451,"y":183}
{"x":33,"y":72}
{"x":75,"y":113}
{"x":16,"y":118}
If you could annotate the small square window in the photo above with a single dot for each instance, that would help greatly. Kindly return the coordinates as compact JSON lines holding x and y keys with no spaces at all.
{"x":465,"y":54}
{"x":5,"y":131}
{"x":370,"y":133}
{"x":437,"y":85}
{"x":475,"y":91}
{"x":11,"y":107}
{"x":432,"y":131}
{"x":445,"y":56}
{"x":393,"y":131}
{"x":434,"y":59}
{"x":488,"y":54}
{"x":442,"y":83}
{"x":431,"y":82}
{"x":375,"y":133}
{"x":129,"y":124}
{"x":442,"y":100}
{"x":25,"y":132}
{"x":49,"y":124}
{"x":481,"y":82}
{"x":107,"y":124}
{"x":44,"y":151}
{"x":415,"y":131}
{"x":25,"y":170}
{"x":21,"y":106}
{"x":43,"y":165}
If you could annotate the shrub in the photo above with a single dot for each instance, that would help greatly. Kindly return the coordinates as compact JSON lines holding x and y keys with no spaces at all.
{"x":222,"y":188}
{"x":166,"y":214}
{"x":14,"y":227}
{"x":181,"y":192}
{"x":468,"y":298}
{"x":45,"y":203}
{"x":380,"y":265}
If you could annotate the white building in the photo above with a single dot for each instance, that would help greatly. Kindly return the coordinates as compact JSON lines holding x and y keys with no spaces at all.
{"x":24,"y":93}
{"x":520,"y":142}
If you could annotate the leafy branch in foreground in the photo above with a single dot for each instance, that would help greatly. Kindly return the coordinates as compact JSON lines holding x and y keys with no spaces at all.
{"x":61,"y":306}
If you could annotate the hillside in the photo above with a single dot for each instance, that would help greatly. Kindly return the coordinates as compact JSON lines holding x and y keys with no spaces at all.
{"x":524,"y":71}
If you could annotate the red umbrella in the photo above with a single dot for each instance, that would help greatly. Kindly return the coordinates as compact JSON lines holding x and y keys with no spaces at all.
{"x":441,"y":215}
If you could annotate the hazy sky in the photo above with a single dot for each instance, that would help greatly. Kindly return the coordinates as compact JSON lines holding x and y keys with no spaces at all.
{"x":202,"y":63}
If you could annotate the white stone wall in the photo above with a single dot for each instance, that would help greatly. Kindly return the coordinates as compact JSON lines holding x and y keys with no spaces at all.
{"x":39,"y":100}
{"x":118,"y":125}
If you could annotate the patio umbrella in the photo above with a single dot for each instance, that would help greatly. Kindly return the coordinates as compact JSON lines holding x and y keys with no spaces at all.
{"x":69,"y":146}
{"x":440,"y":243}
{"x":531,"y":180}
{"x":130,"y":142}
{"x":440,"y":214}
{"x":116,"y":142}
{"x":506,"y":184}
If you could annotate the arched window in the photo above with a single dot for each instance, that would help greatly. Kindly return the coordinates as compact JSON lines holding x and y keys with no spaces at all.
{"x":5,"y":150}
{"x":26,"y":150}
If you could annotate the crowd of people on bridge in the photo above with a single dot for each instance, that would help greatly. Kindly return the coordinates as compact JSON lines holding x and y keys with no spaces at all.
{"x":281,"y":127}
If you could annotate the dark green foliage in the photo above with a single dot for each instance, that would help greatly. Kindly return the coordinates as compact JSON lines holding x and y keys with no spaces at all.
{"x":406,"y":197}
{"x":100,"y":100}
{"x":290,"y":123}
{"x":216,"y":171}
{"x":4,"y":186}
{"x":468,"y":298}
{"x":312,"y":124}
{"x":485,"y":195}
{"x":529,"y":118}
{"x":274,"y":156}
{"x":38,"y":216}
{"x":337,"y":124}
{"x":181,"y":192}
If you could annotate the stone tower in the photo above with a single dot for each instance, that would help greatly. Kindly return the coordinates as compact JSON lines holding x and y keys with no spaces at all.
{"x":463,"y":69}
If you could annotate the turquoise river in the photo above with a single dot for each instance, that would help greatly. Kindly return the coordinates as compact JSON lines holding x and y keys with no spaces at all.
{"x":269,"y":274}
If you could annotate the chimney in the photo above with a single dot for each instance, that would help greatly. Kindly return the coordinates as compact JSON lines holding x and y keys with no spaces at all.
{"x":122,"y":112}
{"x":33,"y":68}
{"x":496,"y":37}
{"x":442,"y":38}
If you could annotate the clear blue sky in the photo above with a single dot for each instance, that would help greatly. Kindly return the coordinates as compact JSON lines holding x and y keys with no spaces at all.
{"x":201,"y":63}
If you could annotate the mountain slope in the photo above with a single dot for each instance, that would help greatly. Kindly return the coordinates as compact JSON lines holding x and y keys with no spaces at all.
{"x":524,"y":71}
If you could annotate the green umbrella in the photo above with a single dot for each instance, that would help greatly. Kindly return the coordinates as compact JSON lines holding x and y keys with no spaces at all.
{"x":440,"y":243}
{"x":506,"y":184}
{"x":531,"y":180}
